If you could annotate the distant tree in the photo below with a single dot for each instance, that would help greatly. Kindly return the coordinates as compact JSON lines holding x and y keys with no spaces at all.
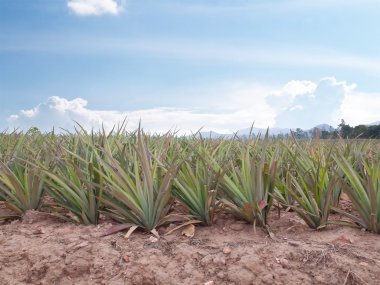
{"x":373,"y":132}
{"x":344,"y":129}
{"x":327,"y":134}
{"x":300,"y":134}
{"x":360,"y":131}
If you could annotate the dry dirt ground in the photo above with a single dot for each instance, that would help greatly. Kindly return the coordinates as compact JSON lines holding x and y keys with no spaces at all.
{"x":43,"y":250}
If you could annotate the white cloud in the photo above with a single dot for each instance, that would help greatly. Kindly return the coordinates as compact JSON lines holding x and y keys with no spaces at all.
{"x":299,"y":87}
{"x":297,"y":104}
{"x":95,"y":7}
{"x":360,"y":108}
{"x":60,"y":112}
{"x":296,"y":107}
{"x":307,"y":104}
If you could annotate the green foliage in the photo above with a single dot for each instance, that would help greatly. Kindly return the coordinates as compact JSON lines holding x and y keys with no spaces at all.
{"x":360,"y":131}
{"x":21,"y":182}
{"x":362,"y":185}
{"x":312,"y":185}
{"x":135,"y":178}
{"x":21,"y":186}
{"x":75,"y":183}
{"x":138,"y":187}
{"x":247,"y":186}
{"x":196,"y":188}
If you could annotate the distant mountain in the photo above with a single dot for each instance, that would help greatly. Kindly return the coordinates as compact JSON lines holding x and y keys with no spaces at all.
{"x":256,"y":131}
{"x":213,"y":135}
{"x":262,"y":131}
{"x":324,"y":127}
{"x":305,"y":133}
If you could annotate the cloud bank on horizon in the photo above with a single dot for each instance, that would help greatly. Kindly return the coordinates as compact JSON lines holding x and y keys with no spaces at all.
{"x":301,"y":104}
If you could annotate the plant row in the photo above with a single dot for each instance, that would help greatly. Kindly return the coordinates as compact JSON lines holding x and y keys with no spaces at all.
{"x":135,"y":178}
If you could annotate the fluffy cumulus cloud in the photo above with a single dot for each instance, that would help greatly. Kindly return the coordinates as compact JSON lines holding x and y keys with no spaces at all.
{"x":301,"y":104}
{"x":95,"y":7}
{"x":305,"y":104}
{"x":361,"y":108}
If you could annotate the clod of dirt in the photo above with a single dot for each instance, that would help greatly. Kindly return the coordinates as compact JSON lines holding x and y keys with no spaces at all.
{"x":78,"y":267}
{"x":221,"y":275}
{"x":293,"y":243}
{"x":31,"y":217}
{"x":206,"y":260}
{"x":345,"y":239}
{"x":227,"y":250}
{"x":237,"y":227}
{"x":38,"y":231}
{"x":219,"y":259}
{"x":283,"y":261}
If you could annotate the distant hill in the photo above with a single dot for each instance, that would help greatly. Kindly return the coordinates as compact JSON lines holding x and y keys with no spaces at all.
{"x":324,"y":127}
{"x":356,"y":131}
{"x":255,"y":131}
{"x":213,"y":135}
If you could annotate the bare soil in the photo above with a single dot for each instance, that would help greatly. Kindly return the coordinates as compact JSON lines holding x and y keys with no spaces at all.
{"x":40,"y":249}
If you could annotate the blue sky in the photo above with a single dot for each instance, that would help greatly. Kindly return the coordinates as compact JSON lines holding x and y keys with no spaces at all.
{"x":188,"y":64}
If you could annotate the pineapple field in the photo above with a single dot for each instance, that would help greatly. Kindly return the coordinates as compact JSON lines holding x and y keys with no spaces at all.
{"x":128,"y":207}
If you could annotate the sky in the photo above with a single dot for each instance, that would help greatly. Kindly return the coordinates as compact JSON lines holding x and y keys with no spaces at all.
{"x":185,"y":65}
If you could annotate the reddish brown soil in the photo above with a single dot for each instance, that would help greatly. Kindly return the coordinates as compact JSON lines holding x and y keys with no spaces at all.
{"x":42,"y":250}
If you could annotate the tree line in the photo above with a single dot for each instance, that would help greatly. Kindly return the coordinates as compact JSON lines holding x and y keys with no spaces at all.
{"x":343,"y":130}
